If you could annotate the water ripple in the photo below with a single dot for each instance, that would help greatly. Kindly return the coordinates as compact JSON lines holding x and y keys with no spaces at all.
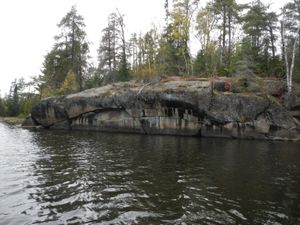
{"x":57,"y":177}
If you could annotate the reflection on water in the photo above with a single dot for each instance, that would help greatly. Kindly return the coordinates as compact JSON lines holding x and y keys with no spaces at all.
{"x":56,"y":177}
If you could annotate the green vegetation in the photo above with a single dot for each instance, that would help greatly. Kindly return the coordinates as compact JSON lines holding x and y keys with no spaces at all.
{"x":69,"y":53}
{"x":236,"y":40}
{"x":20,"y":99}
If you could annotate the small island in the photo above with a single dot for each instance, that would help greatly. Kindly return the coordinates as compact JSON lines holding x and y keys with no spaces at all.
{"x":150,"y":112}
{"x":159,"y":82}
{"x":222,"y":107}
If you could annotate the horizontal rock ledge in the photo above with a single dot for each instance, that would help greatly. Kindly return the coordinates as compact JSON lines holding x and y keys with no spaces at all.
{"x":173,"y":107}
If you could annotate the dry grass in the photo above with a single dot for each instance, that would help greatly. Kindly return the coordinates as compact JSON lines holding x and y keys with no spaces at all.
{"x":12,"y":120}
{"x":182,"y":78}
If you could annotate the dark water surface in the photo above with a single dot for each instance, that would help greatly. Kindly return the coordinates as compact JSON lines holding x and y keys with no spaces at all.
{"x":57,"y":177}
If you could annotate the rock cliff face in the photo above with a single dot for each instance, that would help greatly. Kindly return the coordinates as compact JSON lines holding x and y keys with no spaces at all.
{"x":193,"y":108}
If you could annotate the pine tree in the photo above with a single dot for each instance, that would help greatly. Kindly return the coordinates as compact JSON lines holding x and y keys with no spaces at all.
{"x":227,"y":12}
{"x":13,"y":99}
{"x":73,"y":39}
{"x":113,"y":50}
{"x":2,"y":107}
{"x":70,"y":52}
{"x":174,"y":45}
{"x":260,"y":27}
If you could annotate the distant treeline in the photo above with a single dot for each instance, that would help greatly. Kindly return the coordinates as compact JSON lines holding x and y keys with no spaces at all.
{"x":235,"y":39}
{"x":20,"y":99}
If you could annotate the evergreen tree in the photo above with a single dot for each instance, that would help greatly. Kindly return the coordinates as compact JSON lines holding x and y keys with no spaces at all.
{"x":70,"y":52}
{"x":113,"y":50}
{"x":260,"y":27}
{"x":207,"y":59}
{"x":123,"y":66}
{"x":227,"y":12}
{"x":144,"y":54}
{"x":108,"y":49}
{"x":174,"y":45}
{"x":13,"y":99}
{"x":73,"y":39}
{"x":2,"y":107}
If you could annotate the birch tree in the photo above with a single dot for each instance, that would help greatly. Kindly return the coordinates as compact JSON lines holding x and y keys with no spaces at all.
{"x":289,"y":63}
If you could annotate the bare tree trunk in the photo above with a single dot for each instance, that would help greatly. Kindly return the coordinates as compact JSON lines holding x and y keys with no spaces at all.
{"x":80,"y":73}
{"x":73,"y":43}
{"x":289,"y":69}
{"x":109,"y":51}
{"x":284,"y":47}
{"x":293,"y":57}
{"x":123,"y":47}
{"x":229,"y":39}
{"x":149,"y":64}
{"x":186,"y":65}
{"x":114,"y":47}
{"x":298,"y":9}
{"x":224,"y":30}
{"x":282,"y":42}
{"x":272,"y":41}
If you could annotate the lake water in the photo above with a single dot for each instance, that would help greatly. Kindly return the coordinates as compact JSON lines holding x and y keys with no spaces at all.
{"x":60,"y":177}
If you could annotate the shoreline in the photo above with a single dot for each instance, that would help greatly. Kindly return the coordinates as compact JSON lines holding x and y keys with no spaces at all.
{"x":12,"y":120}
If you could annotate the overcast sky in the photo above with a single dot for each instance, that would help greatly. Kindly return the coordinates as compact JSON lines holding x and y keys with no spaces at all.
{"x":28,"y":27}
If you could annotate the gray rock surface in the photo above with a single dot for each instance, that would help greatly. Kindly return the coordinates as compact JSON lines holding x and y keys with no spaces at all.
{"x":173,"y":107}
{"x":29,"y":122}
